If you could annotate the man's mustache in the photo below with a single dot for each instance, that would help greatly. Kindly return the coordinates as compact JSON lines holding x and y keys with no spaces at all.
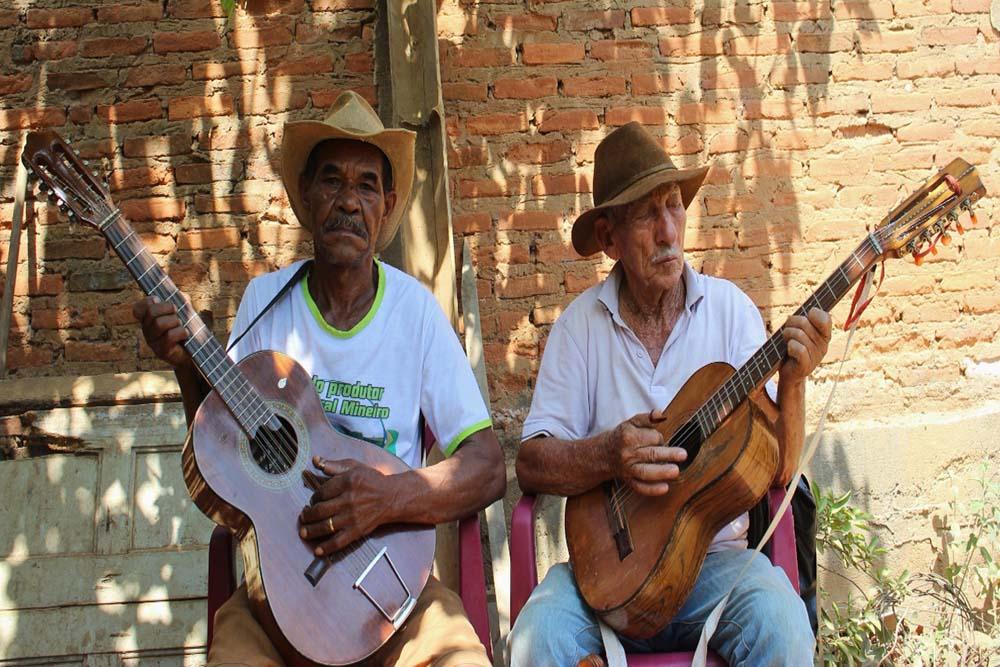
{"x":667,"y":251}
{"x":348,"y":223}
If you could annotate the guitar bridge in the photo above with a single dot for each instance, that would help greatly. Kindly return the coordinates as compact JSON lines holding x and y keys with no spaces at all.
{"x":618,"y":520}
{"x":403,"y":610}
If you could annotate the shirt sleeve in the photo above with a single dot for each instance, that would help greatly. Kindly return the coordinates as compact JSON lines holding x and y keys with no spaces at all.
{"x":560,"y":406}
{"x":749,"y":336}
{"x":450,"y":399}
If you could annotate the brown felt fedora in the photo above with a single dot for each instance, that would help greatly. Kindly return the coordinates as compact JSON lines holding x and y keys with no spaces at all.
{"x":629,"y":164}
{"x":350,"y":118}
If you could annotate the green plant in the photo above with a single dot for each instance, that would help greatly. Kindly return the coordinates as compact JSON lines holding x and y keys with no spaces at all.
{"x":947,"y":615}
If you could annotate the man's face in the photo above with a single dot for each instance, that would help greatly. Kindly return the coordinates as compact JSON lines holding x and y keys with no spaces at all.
{"x":647,"y":236}
{"x":344,"y":201}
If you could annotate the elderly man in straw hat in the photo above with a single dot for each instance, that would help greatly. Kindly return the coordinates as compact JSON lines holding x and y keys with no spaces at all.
{"x":613,"y":360}
{"x":355,"y":323}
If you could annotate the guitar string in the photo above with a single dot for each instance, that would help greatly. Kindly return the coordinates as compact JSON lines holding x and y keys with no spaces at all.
{"x":278,"y":449}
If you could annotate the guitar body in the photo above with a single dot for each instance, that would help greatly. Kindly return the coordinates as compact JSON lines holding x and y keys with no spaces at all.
{"x":639,"y":594}
{"x":333,"y":622}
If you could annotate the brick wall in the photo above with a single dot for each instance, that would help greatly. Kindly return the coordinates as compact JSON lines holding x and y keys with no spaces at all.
{"x":815,"y":117}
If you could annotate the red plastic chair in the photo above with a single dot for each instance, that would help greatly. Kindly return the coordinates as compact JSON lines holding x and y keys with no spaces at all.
{"x":471,"y":573}
{"x":524,"y":572}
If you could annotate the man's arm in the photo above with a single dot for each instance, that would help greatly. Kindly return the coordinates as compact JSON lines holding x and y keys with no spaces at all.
{"x":633,"y":452}
{"x":356,"y":499}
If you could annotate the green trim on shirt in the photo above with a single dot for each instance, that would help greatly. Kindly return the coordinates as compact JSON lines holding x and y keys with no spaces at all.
{"x":334,"y":331}
{"x":457,"y":440}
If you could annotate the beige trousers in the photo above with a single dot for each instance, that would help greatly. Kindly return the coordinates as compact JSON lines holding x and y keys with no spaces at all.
{"x":436,"y":634}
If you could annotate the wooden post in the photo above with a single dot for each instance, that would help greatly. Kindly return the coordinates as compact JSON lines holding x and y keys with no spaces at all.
{"x":409,"y":95}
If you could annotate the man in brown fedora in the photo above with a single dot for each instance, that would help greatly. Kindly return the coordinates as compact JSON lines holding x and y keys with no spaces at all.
{"x":382,"y":357}
{"x":614,"y":359}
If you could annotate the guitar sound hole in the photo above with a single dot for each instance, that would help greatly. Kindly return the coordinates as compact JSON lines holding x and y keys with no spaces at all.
{"x":274,"y":447}
{"x":689,"y":438}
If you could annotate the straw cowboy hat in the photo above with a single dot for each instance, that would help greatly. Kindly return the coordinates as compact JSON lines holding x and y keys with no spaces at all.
{"x":629,"y":164}
{"x":350,"y":118}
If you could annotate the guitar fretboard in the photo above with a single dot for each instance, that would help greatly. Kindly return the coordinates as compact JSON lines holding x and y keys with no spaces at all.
{"x":208,"y":354}
{"x":765,"y":361}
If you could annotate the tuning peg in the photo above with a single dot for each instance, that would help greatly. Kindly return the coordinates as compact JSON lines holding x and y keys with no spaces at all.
{"x":918,"y":259}
{"x":972,"y":217}
{"x":959,"y":228}
{"x":945,"y":238}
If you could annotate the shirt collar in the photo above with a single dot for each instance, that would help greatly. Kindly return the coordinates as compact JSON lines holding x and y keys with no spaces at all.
{"x":608,"y":295}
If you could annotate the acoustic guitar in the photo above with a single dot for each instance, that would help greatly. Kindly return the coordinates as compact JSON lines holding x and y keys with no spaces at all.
{"x":244,"y":457}
{"x":636,"y":557}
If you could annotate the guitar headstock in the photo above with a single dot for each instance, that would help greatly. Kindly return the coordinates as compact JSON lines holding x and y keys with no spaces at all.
{"x":915,"y":226}
{"x":66,"y":179}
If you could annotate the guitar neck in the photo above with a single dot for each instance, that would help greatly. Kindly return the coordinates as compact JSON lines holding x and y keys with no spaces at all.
{"x":765,"y":362}
{"x":208,"y":354}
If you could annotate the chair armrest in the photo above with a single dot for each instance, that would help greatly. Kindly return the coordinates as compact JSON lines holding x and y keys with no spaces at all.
{"x":523,"y":567}
{"x":472,"y":579}
{"x":221,"y":573}
{"x":783,"y":553}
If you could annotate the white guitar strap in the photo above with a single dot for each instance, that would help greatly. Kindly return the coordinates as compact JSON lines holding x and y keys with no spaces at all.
{"x":708,"y":630}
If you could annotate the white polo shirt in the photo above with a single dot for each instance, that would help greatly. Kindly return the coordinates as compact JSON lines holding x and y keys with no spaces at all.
{"x":595,"y":372}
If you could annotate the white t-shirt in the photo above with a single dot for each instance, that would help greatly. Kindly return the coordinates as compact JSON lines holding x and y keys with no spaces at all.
{"x":400,"y":361}
{"x":595,"y":372}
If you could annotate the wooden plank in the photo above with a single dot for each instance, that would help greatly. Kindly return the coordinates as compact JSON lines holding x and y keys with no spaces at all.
{"x":13,"y":250}
{"x":40,"y":393}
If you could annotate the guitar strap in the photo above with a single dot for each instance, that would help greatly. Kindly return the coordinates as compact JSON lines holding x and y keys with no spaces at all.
{"x":296,"y":277}
{"x":13,"y":250}
{"x":701,"y":654}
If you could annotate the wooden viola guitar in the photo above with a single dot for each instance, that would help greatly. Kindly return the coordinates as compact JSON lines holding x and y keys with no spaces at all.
{"x":635,"y":557}
{"x":244,"y":458}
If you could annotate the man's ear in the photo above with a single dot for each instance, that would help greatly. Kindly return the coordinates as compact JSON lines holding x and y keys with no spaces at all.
{"x":390,"y":204}
{"x":602,"y":233}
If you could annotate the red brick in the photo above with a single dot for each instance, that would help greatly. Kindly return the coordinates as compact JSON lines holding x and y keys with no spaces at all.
{"x":802,"y":139}
{"x":950,"y":36}
{"x":56,"y":50}
{"x":308,"y":65}
{"x":800,"y":11}
{"x":359,"y":62}
{"x":68,"y":17}
{"x":22,"y":119}
{"x":863,"y":10}
{"x":89,"y":248}
{"x":78,"y":350}
{"x":550,"y":120}
{"x":482,"y":187}
{"x":524,"y":88}
{"x":608,"y":19}
{"x":153,"y":208}
{"x":555,"y":252}
{"x":600,"y":85}
{"x":892,"y":102}
{"x":524,"y":22}
{"x":738,"y":141}
{"x":139,"y":177}
{"x":28,"y":357}
{"x":560,"y":184}
{"x":741,"y":13}
{"x":757,"y":45}
{"x":469,"y":223}
{"x":528,"y":221}
{"x":644,"y":115}
{"x":195,"y":9}
{"x":113,"y":46}
{"x":173,"y":144}
{"x":238,"y":203}
{"x":128,"y":112}
{"x":281,"y":96}
{"x":497,"y":123}
{"x":64,"y":318}
{"x":214,"y":70}
{"x":338,"y":5}
{"x":78,"y":80}
{"x":539,"y":152}
{"x":325,"y":98}
{"x":186,"y":174}
{"x":621,"y":49}
{"x":979,"y":66}
{"x":45,"y":284}
{"x":714,"y":112}
{"x":864,"y":71}
{"x":732,"y":204}
{"x":479,"y":57}
{"x":577,"y":283}
{"x":925,"y":132}
{"x":522,"y":286}
{"x":982,"y":128}
{"x":243,"y":38}
{"x":742,"y":77}
{"x":172,"y":42}
{"x":9,"y":18}
{"x":970,"y":6}
{"x":656,"y":83}
{"x":938,"y":65}
{"x":912,"y":8}
{"x":147,"y":11}
{"x":17,"y":83}
{"x":820,"y":42}
{"x":792,"y":75}
{"x":218,"y":138}
{"x":645,"y":16}
{"x":552,"y":53}
{"x":209,"y":239}
{"x":148,"y":76}
{"x":699,"y":44}
{"x":886,"y":42}
{"x":470,"y":92}
{"x":180,"y":108}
